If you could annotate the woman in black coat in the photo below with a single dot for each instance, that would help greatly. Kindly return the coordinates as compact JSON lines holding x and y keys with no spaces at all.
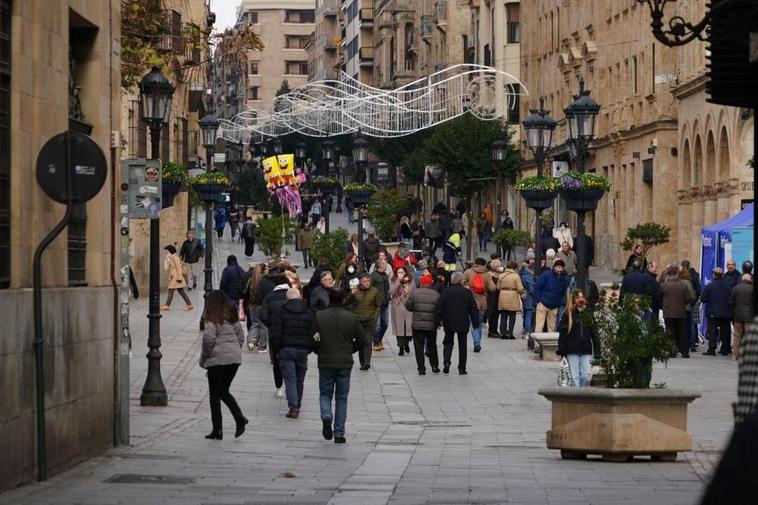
{"x":577,"y":342}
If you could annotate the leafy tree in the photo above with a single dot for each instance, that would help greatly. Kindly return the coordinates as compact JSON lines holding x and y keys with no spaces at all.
{"x":384,"y":211}
{"x":252,"y":190}
{"x":272,"y":233}
{"x":331,"y":246}
{"x":648,"y":235}
{"x":462,"y":147}
{"x":509,"y":239}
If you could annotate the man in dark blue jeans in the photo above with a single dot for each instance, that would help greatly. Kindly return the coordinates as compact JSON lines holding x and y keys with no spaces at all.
{"x":340,"y":334}
{"x":292,"y":329}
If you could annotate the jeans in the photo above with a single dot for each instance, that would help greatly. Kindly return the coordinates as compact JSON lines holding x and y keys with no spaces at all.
{"x":691,"y":331}
{"x":740,"y":327}
{"x":507,"y":322}
{"x":381,"y":324}
{"x":364,"y":355}
{"x":447,"y":348}
{"x":580,"y":367}
{"x":334,"y":382}
{"x":483,"y":239}
{"x":428,"y":337}
{"x":477,"y":332}
{"x":306,"y":263}
{"x":219,"y":380}
{"x":293,"y":363}
{"x":528,"y":320}
{"x":249,"y":247}
{"x":719,"y":329}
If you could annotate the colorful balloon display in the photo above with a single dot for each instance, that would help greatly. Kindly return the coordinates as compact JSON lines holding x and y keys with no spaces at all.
{"x":283,"y":179}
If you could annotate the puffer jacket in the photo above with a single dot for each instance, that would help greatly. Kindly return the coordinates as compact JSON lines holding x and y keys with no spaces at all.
{"x":371,"y":249}
{"x":222,"y":344}
{"x":489,"y":286}
{"x":511,"y":291}
{"x":422,"y":303}
{"x":292,"y":326}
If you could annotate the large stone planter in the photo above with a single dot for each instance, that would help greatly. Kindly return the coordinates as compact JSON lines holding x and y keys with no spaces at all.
{"x":618,"y":424}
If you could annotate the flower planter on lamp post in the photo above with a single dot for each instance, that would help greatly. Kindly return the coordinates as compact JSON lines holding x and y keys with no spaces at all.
{"x":582,"y":200}
{"x":169,"y":190}
{"x":538,"y":199}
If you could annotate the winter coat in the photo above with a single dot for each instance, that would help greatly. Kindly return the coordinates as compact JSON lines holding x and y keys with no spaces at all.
{"x":191,"y":251}
{"x":432,"y":229}
{"x":489,"y":285}
{"x":173,"y":266}
{"x":233,"y":282}
{"x":293,"y":325}
{"x":319,"y":298}
{"x":222,"y":344}
{"x":511,"y":291}
{"x":563,"y":235}
{"x":339,"y":333}
{"x":569,"y":259}
{"x":550,"y":289}
{"x":674,"y":299}
{"x":408,"y":262}
{"x":455,"y":308}
{"x":690,"y":296}
{"x":272,"y":303}
{"x":528,"y":279}
{"x":402,"y":319}
{"x":716,"y":296}
{"x":381,"y":281}
{"x":732,"y":278}
{"x":640,"y":283}
{"x":549,"y":242}
{"x":580,"y":340}
{"x":421,"y":303}
{"x":371,"y":249}
{"x":366,"y":303}
{"x":631,"y":259}
{"x":248,"y":230}
{"x":306,"y":239}
{"x":451,"y":249}
{"x":741,"y":302}
{"x":344,"y":277}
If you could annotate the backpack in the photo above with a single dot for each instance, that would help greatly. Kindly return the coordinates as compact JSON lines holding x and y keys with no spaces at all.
{"x":477,"y":285}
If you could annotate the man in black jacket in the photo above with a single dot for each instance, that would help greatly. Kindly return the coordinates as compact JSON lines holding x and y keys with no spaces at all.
{"x":271,"y":304}
{"x":716,"y":297}
{"x":455,"y":308}
{"x":423,"y":302}
{"x":191,"y":253}
{"x":248,"y":236}
{"x":292,"y":329}
{"x":637,"y":282}
{"x":319,"y":299}
{"x":731,"y":276}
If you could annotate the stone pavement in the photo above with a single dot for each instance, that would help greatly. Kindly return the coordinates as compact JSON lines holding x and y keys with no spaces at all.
{"x":437,"y":439}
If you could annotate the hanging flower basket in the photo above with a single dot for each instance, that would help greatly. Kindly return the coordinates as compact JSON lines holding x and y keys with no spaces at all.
{"x":209,"y":185}
{"x":169,"y":190}
{"x":582,"y":192}
{"x":360,"y":193}
{"x":326,"y":185}
{"x":538,"y":199}
{"x":582,"y":200}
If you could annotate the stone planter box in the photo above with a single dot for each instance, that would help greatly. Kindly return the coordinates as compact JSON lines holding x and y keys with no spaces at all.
{"x":391,"y":248}
{"x":538,"y":199}
{"x":209,"y":192}
{"x":618,"y":424}
{"x":169,"y":190}
{"x":582,"y":200}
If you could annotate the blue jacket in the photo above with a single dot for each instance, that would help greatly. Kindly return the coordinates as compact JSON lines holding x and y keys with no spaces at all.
{"x":528,"y":280}
{"x":550,"y":289}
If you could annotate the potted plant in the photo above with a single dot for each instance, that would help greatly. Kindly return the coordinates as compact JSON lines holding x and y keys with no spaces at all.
{"x":326,"y":184}
{"x":173,"y":176}
{"x":209,"y":185}
{"x":383,"y":212}
{"x":582,"y":191}
{"x":360,"y":193}
{"x":626,"y":418}
{"x":331,"y":246}
{"x":272,"y":233}
{"x":538,"y":192}
{"x":510,"y":239}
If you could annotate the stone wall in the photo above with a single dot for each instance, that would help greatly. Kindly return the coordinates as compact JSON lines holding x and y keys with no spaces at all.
{"x":78,"y":329}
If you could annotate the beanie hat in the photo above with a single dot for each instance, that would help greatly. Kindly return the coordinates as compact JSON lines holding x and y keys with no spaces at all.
{"x":550,"y":253}
{"x":530,"y":255}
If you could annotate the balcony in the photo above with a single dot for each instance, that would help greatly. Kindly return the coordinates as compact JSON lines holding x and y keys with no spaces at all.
{"x":427,"y":26}
{"x":440,"y":14}
{"x":330,"y":12}
{"x":366,"y":56}
{"x":366,"y":15}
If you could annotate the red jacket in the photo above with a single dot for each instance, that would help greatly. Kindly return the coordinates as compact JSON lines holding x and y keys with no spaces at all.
{"x":397,"y":261}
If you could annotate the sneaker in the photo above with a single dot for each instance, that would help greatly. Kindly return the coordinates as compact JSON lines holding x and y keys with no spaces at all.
{"x":339,"y":440}
{"x":435,"y":370}
{"x":422,"y":372}
{"x":477,"y":348}
{"x":262,"y":350}
{"x":462,"y":372}
{"x":326,"y":430}
{"x":446,"y":369}
{"x":251,"y":347}
{"x":279,"y":393}
{"x":365,"y":367}
{"x":379,"y":347}
{"x":293,"y":414}
{"x":710,"y":352}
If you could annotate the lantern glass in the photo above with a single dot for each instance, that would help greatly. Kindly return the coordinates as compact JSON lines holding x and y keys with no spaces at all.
{"x":276,"y":146}
{"x":327,"y":150}
{"x":300,"y":151}
{"x":208,"y":126}
{"x":498,"y":150}
{"x":156,"y":93}
{"x":360,"y":149}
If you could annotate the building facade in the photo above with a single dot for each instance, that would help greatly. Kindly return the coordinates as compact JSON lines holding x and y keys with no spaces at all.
{"x":284,"y":27}
{"x":323,"y":42}
{"x":356,"y":57}
{"x":59,"y":69}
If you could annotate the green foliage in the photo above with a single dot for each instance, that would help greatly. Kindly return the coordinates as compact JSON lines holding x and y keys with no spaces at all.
{"x":208,"y":178}
{"x":537,"y":183}
{"x":510,"y":239}
{"x":578,"y":181}
{"x":357,"y":186}
{"x":330,"y":246}
{"x":272,"y":233}
{"x":629,"y":343}
{"x":462,"y":147}
{"x":648,"y":235}
{"x":325,"y":181}
{"x":252,"y":190}
{"x":384,"y":211}
{"x":548,"y":218}
{"x":175,"y":173}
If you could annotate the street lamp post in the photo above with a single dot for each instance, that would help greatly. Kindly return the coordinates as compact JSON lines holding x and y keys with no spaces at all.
{"x":539,"y":127}
{"x":498,"y":151}
{"x":327,"y":154}
{"x":156,"y":93}
{"x":208,"y":127}
{"x":580,"y":116}
{"x":360,"y":158}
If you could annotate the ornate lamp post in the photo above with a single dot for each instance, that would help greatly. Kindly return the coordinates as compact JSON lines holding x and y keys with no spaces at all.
{"x":581,"y":115}
{"x":156,"y":93}
{"x":301,"y":151}
{"x":327,"y":154}
{"x":360,"y":158}
{"x":539,"y":127}
{"x":275,"y":146}
{"x":208,"y":126}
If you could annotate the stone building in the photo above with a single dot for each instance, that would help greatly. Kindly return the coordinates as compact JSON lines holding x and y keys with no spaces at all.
{"x":630,"y":75}
{"x":180,"y":138}
{"x":59,"y":69}
{"x":323,"y":43}
{"x":356,"y":51}
{"x":284,"y":27}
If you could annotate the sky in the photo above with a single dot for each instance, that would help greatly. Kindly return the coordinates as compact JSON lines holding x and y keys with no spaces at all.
{"x":226,"y":13}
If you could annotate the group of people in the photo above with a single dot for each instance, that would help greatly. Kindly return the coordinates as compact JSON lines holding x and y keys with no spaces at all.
{"x":677,"y":294}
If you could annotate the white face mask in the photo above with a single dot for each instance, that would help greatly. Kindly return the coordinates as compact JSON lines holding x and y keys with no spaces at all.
{"x":351,"y":269}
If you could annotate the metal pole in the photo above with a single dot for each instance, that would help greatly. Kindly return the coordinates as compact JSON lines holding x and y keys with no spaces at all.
{"x":154,"y":391}
{"x":581,"y":268}
{"x":539,"y":158}
{"x":208,"y":252}
{"x":39,"y":338}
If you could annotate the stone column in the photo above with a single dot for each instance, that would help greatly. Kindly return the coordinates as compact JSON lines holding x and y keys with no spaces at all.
{"x":698,"y":209}
{"x":710,"y":214}
{"x":684,"y":244}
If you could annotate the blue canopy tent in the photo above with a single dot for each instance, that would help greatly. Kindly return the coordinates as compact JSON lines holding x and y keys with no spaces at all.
{"x":717,"y":241}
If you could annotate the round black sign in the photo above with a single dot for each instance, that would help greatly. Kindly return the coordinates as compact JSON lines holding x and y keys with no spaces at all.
{"x":88,"y":168}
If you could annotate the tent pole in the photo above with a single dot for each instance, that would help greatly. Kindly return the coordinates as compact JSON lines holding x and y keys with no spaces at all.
{"x":755,"y":206}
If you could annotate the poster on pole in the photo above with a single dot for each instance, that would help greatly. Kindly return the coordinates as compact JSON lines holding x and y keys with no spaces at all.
{"x":143,"y":187}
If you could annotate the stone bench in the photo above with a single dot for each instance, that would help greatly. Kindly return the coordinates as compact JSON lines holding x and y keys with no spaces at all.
{"x":547,"y":344}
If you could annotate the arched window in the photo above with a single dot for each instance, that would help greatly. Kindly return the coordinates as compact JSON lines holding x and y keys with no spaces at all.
{"x":685,"y":177}
{"x":724,"y":168}
{"x":711,"y":172}
{"x":697,"y":169}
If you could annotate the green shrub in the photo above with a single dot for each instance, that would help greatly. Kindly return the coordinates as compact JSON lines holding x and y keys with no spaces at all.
{"x":272,"y":233}
{"x":384,"y":210}
{"x":648,"y":235}
{"x":509,"y":239}
{"x":331,"y":246}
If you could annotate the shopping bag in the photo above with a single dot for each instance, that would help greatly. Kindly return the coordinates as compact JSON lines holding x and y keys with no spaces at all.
{"x":564,"y":375}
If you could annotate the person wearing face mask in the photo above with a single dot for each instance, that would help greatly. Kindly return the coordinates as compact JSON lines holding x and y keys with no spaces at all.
{"x":550,"y":293}
{"x":348,"y":270}
{"x":563,"y":234}
{"x":400,"y":290}
{"x":577,"y":341}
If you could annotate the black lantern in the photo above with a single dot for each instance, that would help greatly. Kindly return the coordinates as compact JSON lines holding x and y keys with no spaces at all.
{"x":327,"y":150}
{"x":581,"y":114}
{"x":274,"y":146}
{"x":498,"y":150}
{"x":360,"y":150}
{"x":209,"y":127}
{"x":156,"y":96}
{"x":539,"y":128}
{"x":301,"y":150}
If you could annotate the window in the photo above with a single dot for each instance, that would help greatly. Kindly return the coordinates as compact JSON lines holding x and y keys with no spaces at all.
{"x":634,"y":73}
{"x":5,"y":144}
{"x":77,"y":246}
{"x":253,"y":95}
{"x":172,"y":39}
{"x":514,"y":28}
{"x":295,"y":41}
{"x":352,"y":10}
{"x":513,"y":114}
{"x":296,"y":68}
{"x":252,"y":17}
{"x":254,"y":68}
{"x":306,"y":16}
{"x":352,"y":48}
